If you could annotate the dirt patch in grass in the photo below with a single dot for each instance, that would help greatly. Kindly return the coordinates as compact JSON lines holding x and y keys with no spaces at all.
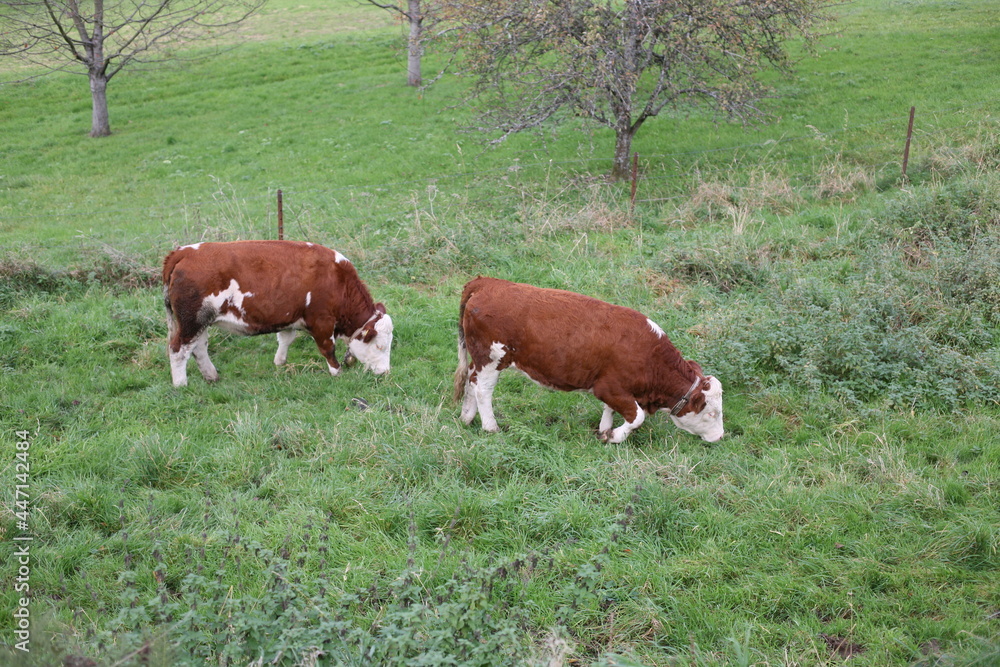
{"x":841,"y":647}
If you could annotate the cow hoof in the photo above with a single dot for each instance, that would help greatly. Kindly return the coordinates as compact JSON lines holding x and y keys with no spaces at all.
{"x":605,"y":436}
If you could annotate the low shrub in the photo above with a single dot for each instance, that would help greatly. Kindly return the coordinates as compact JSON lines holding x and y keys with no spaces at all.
{"x":453,"y":614}
{"x":734,"y":265}
{"x":958,"y":210}
{"x":911,"y":322}
{"x":868,"y":339}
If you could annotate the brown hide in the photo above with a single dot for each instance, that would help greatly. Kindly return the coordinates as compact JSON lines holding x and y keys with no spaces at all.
{"x":274,"y":278}
{"x":568,"y":341}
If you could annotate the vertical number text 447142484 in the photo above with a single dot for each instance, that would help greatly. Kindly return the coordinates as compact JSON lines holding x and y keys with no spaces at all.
{"x":22,"y":470}
{"x":22,"y":500}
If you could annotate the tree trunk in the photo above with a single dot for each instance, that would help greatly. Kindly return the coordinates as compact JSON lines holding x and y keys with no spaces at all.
{"x":100,"y":125}
{"x":415,"y":47}
{"x":622,"y":166}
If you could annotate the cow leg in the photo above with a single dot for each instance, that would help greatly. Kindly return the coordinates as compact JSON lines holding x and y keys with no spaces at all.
{"x":328,"y":348}
{"x":606,"y":419}
{"x":178,"y":363}
{"x":482,"y":380}
{"x":483,"y":385}
{"x":469,"y":403}
{"x":180,"y":352}
{"x":619,"y":434}
{"x":285,"y":339}
{"x":181,"y":343}
{"x":628,"y":408}
{"x":200,"y":350}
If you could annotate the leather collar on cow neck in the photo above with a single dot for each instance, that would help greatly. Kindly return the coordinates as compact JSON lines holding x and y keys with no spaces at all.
{"x":674,"y":411}
{"x":371,"y":319}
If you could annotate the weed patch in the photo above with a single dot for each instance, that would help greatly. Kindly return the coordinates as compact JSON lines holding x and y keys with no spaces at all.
{"x":909,"y":325}
{"x":20,"y":277}
{"x":452,"y":612}
{"x":864,"y":342}
{"x":734,"y":264}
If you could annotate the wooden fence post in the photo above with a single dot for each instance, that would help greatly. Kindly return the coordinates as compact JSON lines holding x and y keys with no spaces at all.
{"x":281,"y":219}
{"x":906,"y":151}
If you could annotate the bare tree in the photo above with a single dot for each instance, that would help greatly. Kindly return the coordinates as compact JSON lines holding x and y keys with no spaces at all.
{"x":419,"y":15}
{"x":621,"y":62}
{"x":106,"y":36}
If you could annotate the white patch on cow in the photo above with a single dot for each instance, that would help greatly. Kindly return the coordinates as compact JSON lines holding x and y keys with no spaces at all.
{"x":285,"y":339}
{"x":340,"y":258}
{"x":234,"y":297}
{"x":193,"y":246}
{"x":333,"y":371}
{"x":178,"y":364}
{"x":309,"y":298}
{"x":200,"y":351}
{"x":231,"y":294}
{"x":469,"y":406}
{"x":497,"y":352}
{"x":309,"y":244}
{"x":655,"y":327}
{"x":233,"y":323}
{"x":375,"y":353}
{"x":619,"y":434}
{"x":708,"y":422}
{"x":606,"y":419}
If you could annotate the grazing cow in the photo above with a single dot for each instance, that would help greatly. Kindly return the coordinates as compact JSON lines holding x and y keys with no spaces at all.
{"x":568,"y":341}
{"x":259,"y":287}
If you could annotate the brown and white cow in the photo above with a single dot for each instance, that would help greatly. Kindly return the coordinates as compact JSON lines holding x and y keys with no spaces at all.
{"x":259,"y":287}
{"x":568,"y":341}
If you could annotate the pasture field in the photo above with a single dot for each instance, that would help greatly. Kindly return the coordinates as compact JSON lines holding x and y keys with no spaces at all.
{"x":281,"y":516}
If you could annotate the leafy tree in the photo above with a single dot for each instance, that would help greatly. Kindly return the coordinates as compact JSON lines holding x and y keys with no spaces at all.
{"x":621,"y":62}
{"x":106,"y":36}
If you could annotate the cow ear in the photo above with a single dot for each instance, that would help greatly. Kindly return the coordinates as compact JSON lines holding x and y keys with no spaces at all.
{"x":380,"y":307}
{"x":706,"y":384}
{"x":369,"y":334}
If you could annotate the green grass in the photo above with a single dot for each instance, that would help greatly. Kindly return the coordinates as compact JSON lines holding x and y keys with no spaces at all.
{"x":855,"y":325}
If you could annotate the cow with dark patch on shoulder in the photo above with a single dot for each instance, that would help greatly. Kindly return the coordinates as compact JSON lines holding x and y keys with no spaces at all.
{"x":260,"y":287}
{"x":571,"y":342}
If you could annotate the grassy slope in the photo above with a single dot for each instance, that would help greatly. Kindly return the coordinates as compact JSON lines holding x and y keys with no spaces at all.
{"x":819,"y":516}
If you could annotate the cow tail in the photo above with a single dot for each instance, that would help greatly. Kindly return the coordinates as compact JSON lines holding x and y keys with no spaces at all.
{"x":171,"y":320}
{"x":462,"y":372}
{"x":168,"y":269}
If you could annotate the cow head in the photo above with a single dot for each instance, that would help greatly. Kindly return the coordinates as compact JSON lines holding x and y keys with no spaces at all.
{"x":704,"y":415}
{"x":373,"y":342}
